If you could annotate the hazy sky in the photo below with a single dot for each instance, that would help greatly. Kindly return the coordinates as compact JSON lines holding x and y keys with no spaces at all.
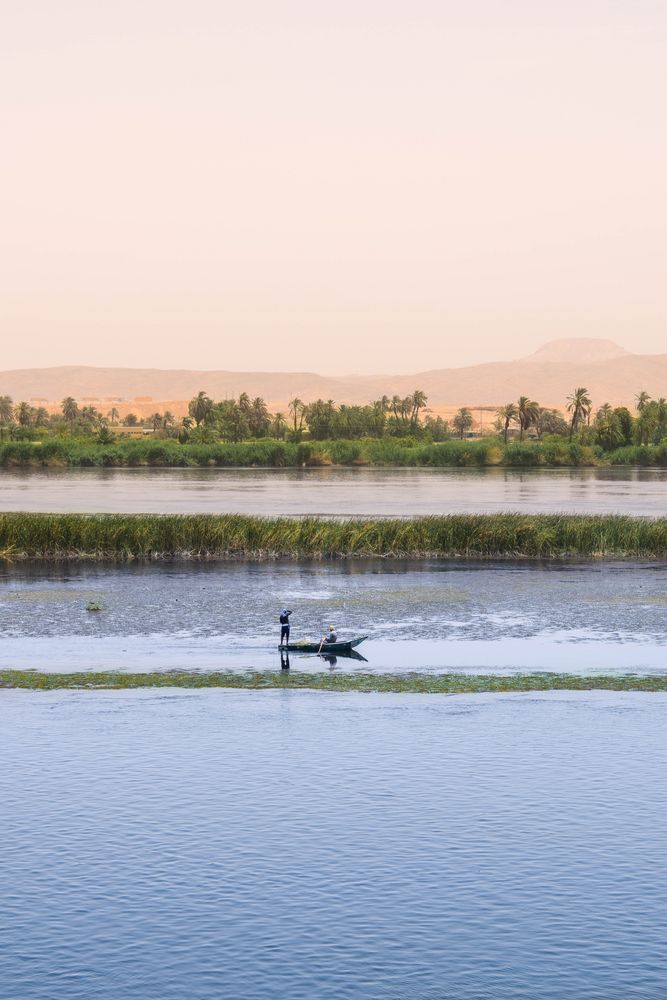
{"x":349,"y":185}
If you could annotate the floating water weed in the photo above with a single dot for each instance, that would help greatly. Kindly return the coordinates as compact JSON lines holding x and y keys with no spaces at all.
{"x":388,"y":683}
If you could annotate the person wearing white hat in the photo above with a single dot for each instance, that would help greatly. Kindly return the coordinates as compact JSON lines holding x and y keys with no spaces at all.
{"x":332,"y":637}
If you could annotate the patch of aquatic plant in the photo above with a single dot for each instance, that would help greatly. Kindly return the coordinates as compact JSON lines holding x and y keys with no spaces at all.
{"x":390,"y":683}
{"x":25,"y":535}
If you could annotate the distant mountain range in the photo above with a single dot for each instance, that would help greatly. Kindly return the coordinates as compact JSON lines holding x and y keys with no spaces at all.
{"x":610,"y":373}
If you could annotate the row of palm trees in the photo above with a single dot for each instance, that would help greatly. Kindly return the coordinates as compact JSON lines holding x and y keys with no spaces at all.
{"x":528,"y":413}
{"x":405,"y":411}
{"x":251,"y":416}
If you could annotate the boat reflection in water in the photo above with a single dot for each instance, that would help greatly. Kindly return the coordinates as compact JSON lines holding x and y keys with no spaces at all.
{"x":330,"y":658}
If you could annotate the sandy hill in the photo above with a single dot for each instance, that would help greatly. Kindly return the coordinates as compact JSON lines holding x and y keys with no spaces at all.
{"x":610,"y":373}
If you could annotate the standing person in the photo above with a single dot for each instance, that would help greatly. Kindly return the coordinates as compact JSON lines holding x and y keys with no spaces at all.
{"x":284,"y":626}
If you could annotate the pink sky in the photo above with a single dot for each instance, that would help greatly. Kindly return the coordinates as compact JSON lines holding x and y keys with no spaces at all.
{"x":365,"y":185}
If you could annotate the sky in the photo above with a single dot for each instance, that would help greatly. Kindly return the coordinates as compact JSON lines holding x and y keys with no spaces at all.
{"x":350,"y":186}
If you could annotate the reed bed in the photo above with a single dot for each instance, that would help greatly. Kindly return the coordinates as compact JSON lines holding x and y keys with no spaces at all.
{"x":387,"y":683}
{"x":235,"y":536}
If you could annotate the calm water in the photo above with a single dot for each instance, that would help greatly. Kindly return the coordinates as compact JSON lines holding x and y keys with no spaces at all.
{"x":340,"y":492}
{"x":580,"y":617}
{"x":248,"y":845}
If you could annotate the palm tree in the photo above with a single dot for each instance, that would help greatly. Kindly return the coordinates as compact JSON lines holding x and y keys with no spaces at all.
{"x":419,"y":400}
{"x":642,"y":399}
{"x":579,"y":405}
{"x":527,"y":411}
{"x":506,"y":415}
{"x":92,"y":415}
{"x":23,"y":414}
{"x":259,"y":418}
{"x":396,"y":405}
{"x":6,"y":409}
{"x":647,"y":425}
{"x":608,"y":431}
{"x":661,"y":412}
{"x":70,"y":409}
{"x":156,"y":421}
{"x":183,"y":432}
{"x":200,"y":407}
{"x":279,"y":426}
{"x":462,"y":421}
{"x":113,"y":415}
{"x":297,"y":409}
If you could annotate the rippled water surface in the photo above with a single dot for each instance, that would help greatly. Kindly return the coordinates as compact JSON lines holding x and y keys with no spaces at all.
{"x":581,"y":617}
{"x":246,"y":845}
{"x":337,"y":492}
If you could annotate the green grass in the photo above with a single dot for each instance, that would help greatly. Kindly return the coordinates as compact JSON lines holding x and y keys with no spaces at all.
{"x":403,"y":452}
{"x":235,"y":536}
{"x":391,"y":683}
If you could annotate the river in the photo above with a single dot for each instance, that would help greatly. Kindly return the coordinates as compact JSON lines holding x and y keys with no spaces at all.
{"x":453,"y":615}
{"x":337,"y":492}
{"x":162,"y":845}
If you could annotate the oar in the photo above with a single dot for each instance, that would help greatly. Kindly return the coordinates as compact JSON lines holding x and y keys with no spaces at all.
{"x":321,"y":644}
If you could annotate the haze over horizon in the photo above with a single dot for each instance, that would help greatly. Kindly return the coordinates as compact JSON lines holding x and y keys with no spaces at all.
{"x":366,"y":187}
{"x":550,"y":374}
{"x":561,"y":350}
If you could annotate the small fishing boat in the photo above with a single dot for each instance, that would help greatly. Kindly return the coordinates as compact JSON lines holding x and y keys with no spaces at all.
{"x":327,"y":647}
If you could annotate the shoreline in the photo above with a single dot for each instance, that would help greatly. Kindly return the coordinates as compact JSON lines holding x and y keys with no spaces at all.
{"x":446,"y":684}
{"x":383,"y":453}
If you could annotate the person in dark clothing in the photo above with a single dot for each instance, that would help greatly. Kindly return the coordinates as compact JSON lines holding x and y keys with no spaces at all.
{"x":284,"y":626}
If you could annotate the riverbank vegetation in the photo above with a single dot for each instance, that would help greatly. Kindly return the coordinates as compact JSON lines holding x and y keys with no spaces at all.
{"x":337,"y":682}
{"x":234,"y":536}
{"x":392,"y":432}
{"x":394,"y":452}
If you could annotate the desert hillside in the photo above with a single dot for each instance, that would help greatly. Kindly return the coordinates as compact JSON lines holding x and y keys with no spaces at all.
{"x":610,"y":373}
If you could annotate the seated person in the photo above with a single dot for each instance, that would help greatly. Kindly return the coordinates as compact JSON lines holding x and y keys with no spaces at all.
{"x":332,"y":637}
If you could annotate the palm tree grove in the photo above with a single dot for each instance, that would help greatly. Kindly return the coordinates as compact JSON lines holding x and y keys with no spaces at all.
{"x":390,"y":430}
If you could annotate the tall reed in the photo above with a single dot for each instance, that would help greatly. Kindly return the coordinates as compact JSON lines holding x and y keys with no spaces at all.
{"x":235,"y":536}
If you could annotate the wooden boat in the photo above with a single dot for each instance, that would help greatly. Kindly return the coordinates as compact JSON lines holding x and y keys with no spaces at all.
{"x":327,"y":647}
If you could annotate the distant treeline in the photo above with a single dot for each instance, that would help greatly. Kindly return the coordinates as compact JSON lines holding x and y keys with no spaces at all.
{"x":244,"y":419}
{"x":234,"y":536}
{"x":552,"y":452}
